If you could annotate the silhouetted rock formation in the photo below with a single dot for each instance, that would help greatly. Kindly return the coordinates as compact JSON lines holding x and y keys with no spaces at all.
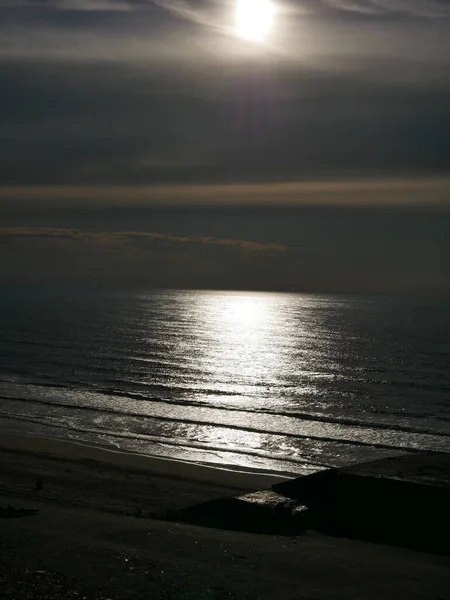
{"x":402,"y":500}
{"x":10,"y":512}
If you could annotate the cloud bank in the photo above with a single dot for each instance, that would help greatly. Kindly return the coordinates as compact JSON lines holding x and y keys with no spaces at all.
{"x":71,"y":256}
{"x":432,"y":9}
{"x":323,"y":256}
{"x":196,"y":10}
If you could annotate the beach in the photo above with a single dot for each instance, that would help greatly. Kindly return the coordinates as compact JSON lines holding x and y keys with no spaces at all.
{"x":102,"y":529}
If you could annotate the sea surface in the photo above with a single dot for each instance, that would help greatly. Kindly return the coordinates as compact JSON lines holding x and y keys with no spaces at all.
{"x":270,"y":382}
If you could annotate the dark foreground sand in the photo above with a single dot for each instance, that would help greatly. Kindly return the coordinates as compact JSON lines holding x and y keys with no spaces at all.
{"x":101,"y":533}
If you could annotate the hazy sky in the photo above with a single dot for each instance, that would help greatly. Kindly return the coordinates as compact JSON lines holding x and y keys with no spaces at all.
{"x":112,"y":111}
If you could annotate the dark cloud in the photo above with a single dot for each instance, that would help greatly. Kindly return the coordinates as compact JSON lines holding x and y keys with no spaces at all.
{"x":99,"y":123}
{"x":340,"y":253}
{"x":198,"y":9}
{"x":432,"y":9}
{"x":71,"y":256}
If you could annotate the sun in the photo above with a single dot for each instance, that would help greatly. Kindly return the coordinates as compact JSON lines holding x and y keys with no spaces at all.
{"x":254,"y":19}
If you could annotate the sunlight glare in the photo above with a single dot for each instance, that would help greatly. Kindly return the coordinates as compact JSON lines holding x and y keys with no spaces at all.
{"x":254,"y":19}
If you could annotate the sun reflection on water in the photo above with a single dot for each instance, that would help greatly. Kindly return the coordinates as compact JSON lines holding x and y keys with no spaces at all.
{"x":245,"y":344}
{"x":239,"y":330}
{"x":236,"y":359}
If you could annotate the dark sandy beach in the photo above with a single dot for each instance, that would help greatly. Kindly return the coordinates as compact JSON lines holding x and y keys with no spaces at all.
{"x":101,"y":533}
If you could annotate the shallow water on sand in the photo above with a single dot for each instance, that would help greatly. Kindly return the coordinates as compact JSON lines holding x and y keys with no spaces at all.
{"x":273,"y":382}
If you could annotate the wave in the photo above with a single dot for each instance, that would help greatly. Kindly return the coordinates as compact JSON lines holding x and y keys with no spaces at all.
{"x":166,"y":441}
{"x":304,"y":416}
{"x":154,"y":386}
{"x":202,"y":423}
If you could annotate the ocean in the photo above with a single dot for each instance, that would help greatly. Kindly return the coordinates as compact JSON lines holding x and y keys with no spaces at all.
{"x":278,"y":383}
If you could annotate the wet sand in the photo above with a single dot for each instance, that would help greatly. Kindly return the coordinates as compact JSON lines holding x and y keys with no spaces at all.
{"x":101,"y":528}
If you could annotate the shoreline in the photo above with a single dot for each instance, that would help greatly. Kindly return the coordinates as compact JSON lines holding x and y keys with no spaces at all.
{"x":74,"y":451}
{"x":99,"y":526}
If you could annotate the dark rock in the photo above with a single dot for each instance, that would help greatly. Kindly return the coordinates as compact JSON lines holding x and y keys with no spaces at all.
{"x":9,"y":512}
{"x":401,"y":500}
{"x":248,"y":513}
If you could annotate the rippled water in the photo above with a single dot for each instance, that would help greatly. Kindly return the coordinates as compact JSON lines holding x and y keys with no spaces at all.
{"x":276,"y":382}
